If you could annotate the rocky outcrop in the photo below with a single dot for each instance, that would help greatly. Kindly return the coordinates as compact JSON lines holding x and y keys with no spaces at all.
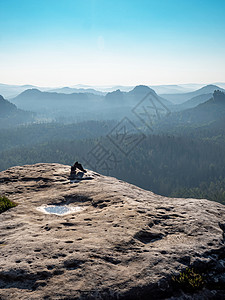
{"x":124,"y":242}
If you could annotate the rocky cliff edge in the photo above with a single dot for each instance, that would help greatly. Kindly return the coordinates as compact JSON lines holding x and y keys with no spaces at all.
{"x":123,"y":243}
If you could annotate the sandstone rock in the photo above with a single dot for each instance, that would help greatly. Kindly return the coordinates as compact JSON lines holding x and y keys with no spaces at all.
{"x":125,"y":243}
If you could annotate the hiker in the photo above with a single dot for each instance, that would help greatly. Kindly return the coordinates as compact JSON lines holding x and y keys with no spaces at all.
{"x":77,"y":166}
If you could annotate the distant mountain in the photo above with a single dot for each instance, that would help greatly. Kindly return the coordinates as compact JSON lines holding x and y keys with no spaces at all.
{"x":114,"y":105}
{"x":61,"y":107}
{"x":33,"y":92}
{"x":170,"y":89}
{"x":192,"y":86}
{"x":68,"y":90}
{"x":140,"y":91}
{"x":115,"y":97}
{"x":193,"y":102}
{"x":84,"y":106}
{"x":205,"y":113}
{"x":104,"y":88}
{"x":34,"y":99}
{"x":6,"y":107}
{"x":10,"y":115}
{"x":159,"y":89}
{"x":208,"y":111}
{"x":133,"y":97}
{"x":180,"y":98}
{"x":11,"y":91}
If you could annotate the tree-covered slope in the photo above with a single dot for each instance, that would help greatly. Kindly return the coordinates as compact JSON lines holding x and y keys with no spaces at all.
{"x":10,"y":115}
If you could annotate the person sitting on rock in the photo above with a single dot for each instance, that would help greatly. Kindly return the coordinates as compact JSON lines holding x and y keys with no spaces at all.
{"x":77,"y":166}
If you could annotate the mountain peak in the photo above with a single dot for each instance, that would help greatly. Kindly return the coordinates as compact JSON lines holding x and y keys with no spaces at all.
{"x":115,"y":96}
{"x":210,"y":88}
{"x":141,"y":89}
{"x":32,"y":91}
{"x":116,"y":92}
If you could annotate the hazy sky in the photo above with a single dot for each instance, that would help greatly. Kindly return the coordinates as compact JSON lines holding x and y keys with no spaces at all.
{"x":103,"y":42}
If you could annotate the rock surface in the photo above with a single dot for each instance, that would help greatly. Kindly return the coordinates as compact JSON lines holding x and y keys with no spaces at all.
{"x":126,"y":243}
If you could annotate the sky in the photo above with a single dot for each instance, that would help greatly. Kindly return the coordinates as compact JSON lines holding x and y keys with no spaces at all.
{"x":119,"y":42}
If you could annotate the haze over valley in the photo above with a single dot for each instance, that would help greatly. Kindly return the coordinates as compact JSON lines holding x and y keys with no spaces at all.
{"x":151,"y":139}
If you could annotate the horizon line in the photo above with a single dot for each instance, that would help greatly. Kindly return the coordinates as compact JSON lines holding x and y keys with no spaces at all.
{"x":83,"y":85}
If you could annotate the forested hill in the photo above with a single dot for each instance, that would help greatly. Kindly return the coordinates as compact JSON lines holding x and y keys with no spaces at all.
{"x":10,"y":115}
{"x":69,"y":108}
{"x":6,"y":107}
{"x":201,"y":115}
{"x":181,"y":98}
{"x":52,"y":102}
{"x":208,"y":111}
{"x":34,"y":99}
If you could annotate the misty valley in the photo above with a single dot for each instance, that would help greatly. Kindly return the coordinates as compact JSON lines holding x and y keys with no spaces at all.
{"x":169,"y":142}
